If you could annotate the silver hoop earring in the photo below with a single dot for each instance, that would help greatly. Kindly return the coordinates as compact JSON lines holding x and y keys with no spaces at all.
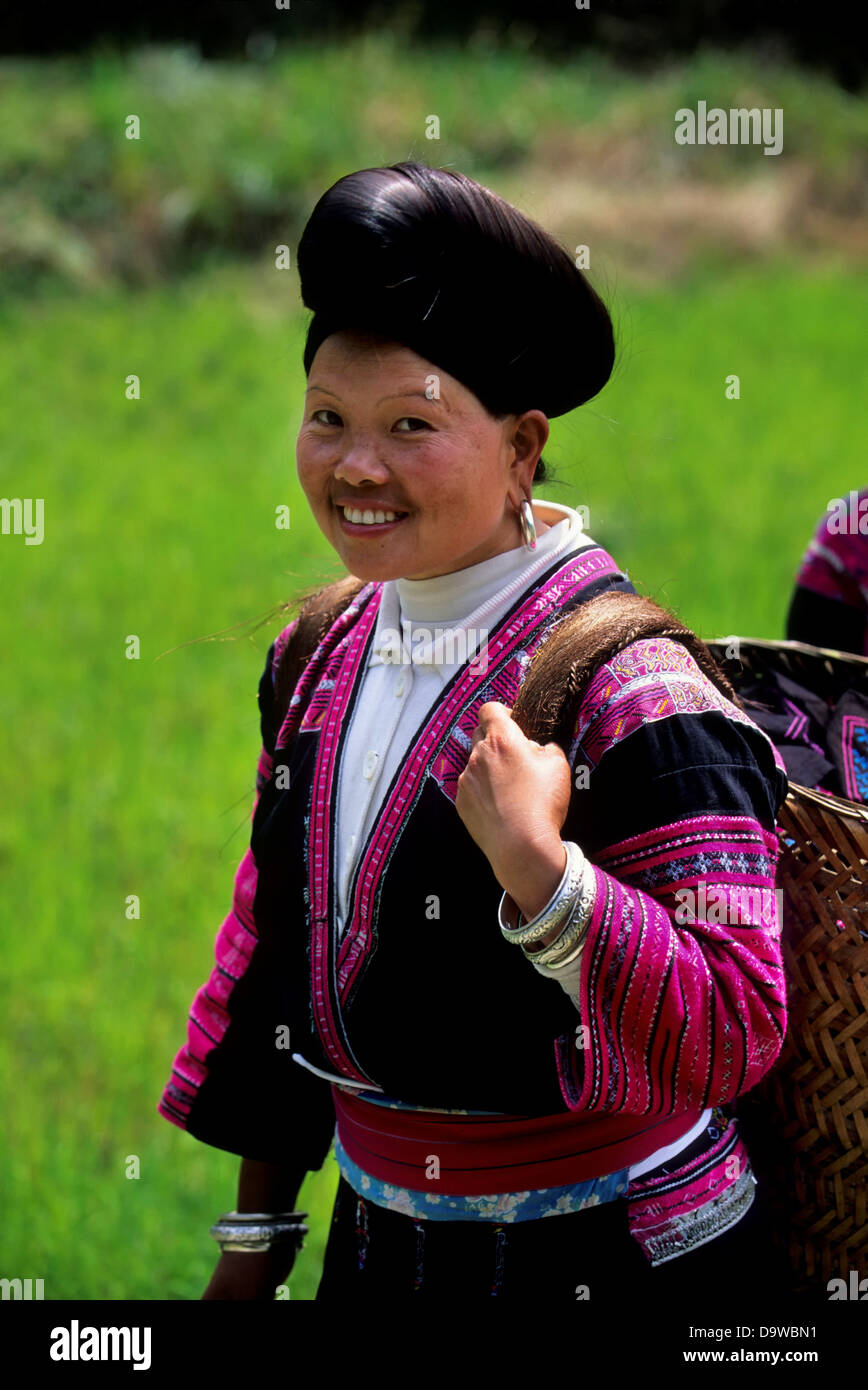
{"x":528,"y":525}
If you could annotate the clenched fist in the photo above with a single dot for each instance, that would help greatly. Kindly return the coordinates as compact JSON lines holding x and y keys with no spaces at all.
{"x":513,"y":796}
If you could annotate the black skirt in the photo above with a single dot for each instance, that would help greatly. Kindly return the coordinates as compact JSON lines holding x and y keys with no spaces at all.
{"x":374,"y":1252}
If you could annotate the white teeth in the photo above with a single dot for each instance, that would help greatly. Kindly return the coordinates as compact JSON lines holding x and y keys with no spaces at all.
{"x":367,"y":518}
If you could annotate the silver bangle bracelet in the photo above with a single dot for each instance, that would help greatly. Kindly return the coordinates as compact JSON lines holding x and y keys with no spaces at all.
{"x":556,"y":910}
{"x":565,"y":947}
{"x":555,"y":967}
{"x":256,"y":1231}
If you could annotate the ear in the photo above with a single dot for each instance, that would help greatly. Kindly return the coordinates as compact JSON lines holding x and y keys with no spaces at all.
{"x":528,"y":439}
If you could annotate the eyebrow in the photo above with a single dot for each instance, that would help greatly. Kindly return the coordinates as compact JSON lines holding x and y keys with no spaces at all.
{"x":396,"y":396}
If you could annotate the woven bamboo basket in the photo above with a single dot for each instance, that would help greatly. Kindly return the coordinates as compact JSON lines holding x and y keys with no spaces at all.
{"x":806,"y":1123}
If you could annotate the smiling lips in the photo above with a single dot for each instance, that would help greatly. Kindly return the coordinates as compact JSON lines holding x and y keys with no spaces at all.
{"x":370,"y":515}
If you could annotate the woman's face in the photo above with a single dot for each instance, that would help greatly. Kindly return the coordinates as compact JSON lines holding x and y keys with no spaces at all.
{"x":373,"y":439}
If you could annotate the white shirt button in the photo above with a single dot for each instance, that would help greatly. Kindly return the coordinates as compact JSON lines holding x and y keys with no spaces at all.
{"x":401,"y":683}
{"x":369,"y":766}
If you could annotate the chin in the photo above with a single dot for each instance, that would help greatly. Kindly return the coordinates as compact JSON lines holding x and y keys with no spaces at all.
{"x":372,"y":571}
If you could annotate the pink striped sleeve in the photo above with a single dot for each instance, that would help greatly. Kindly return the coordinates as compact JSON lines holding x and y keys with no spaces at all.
{"x":682,"y":996}
{"x":233,"y":949}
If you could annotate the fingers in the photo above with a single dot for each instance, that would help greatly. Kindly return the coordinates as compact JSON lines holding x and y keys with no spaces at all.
{"x":492,"y":716}
{"x":493,"y":712}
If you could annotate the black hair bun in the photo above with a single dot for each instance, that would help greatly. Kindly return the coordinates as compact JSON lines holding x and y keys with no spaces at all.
{"x":430,"y":258}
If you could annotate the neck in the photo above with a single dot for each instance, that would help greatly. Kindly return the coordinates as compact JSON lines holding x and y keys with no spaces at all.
{"x":487,"y":553}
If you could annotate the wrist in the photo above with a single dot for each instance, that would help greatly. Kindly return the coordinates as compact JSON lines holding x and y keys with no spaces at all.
{"x":250,"y":1277}
{"x":537,"y":877}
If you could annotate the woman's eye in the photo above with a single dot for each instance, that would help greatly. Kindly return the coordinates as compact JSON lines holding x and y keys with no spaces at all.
{"x":412,"y":420}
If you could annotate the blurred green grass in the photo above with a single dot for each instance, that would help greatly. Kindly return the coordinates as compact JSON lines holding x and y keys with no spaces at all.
{"x":125,"y":777}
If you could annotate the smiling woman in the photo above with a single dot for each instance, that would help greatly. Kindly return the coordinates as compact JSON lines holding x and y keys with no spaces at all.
{"x":360,"y":459}
{"x":457,"y":952}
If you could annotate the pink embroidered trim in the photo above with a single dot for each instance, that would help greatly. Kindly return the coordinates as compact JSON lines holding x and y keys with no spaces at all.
{"x":851,"y":726}
{"x":345,"y":664}
{"x":670,"y":1214}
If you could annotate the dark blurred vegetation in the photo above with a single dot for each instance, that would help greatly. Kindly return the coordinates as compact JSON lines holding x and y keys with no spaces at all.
{"x":636,"y":32}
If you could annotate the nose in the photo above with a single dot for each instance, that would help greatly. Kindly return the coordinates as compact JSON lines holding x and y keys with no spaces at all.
{"x":360,"y":465}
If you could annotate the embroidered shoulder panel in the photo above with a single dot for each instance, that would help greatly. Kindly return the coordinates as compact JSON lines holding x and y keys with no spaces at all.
{"x":653,"y":678}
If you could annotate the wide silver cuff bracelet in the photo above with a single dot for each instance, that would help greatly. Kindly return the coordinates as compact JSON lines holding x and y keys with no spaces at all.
{"x":255,"y":1231}
{"x":564,"y":947}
